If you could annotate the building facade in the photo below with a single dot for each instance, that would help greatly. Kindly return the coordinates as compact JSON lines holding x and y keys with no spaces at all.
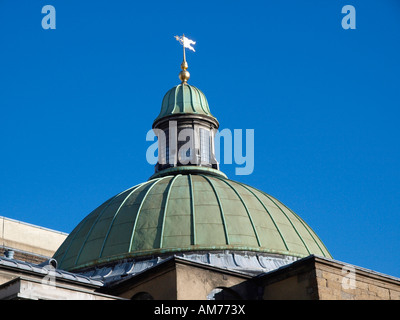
{"x":188,"y":233}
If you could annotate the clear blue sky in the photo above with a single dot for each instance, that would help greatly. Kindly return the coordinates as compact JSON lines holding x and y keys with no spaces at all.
{"x":76,"y":104}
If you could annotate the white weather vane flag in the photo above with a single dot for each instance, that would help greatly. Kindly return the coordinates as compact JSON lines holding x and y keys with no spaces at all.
{"x":187,"y":43}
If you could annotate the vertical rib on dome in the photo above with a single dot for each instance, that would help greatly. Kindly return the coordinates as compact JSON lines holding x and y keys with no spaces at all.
{"x":192,"y":210}
{"x":166,"y":208}
{"x":313,"y":235}
{"x":115,"y":217}
{"x":267,"y":211}
{"x":247,"y":210}
{"x":220,"y":208}
{"x":139,"y":211}
{"x":290,"y":221}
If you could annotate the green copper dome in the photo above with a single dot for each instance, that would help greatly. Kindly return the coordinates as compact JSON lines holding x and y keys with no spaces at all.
{"x":187,"y":212}
{"x":184,"y":99}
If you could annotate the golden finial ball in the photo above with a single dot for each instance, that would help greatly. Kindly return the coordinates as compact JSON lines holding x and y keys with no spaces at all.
{"x":184,"y":75}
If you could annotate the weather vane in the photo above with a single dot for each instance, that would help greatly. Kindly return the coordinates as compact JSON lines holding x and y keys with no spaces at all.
{"x":184,"y":75}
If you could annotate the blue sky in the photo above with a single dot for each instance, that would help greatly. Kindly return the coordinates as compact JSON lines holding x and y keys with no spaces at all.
{"x":76,"y":104}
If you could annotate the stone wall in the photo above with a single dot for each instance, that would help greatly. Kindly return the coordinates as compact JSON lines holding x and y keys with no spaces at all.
{"x":30,"y":243}
{"x":296,"y":281}
{"x":344,"y":282}
{"x":316,"y":278}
